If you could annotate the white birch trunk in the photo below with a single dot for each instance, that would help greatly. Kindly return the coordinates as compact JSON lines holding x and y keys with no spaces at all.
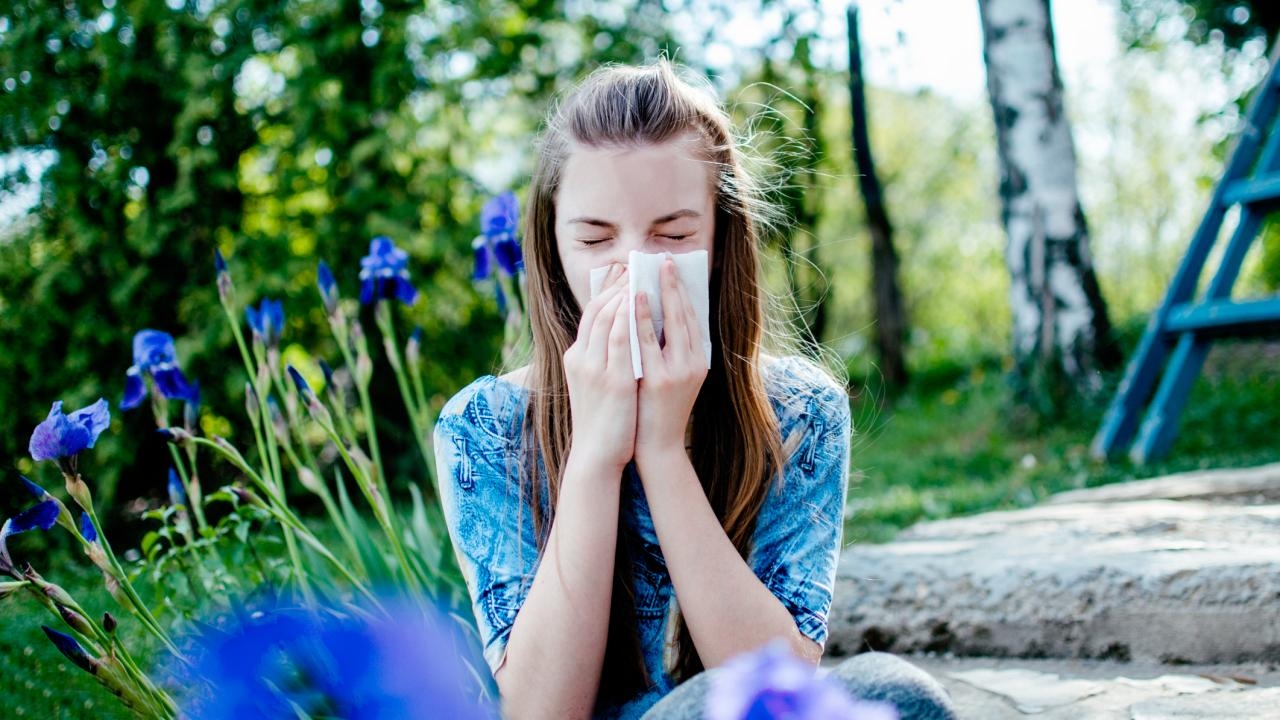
{"x":1059,"y":318}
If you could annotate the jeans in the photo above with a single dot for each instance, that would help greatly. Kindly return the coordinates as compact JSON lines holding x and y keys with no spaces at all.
{"x":870,"y":676}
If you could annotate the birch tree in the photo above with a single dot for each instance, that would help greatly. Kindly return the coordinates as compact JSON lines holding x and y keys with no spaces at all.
{"x":1061,"y":333}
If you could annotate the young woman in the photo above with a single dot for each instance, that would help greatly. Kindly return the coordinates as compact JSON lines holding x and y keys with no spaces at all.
{"x":618,"y":535}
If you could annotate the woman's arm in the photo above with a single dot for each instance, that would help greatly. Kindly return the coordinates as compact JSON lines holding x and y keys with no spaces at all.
{"x":728,"y":609}
{"x":556,"y":648}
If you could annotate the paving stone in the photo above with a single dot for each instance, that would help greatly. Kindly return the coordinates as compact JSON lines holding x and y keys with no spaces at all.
{"x":1123,"y":573}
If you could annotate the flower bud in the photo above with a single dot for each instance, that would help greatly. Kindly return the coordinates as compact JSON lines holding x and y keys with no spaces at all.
{"x":413,"y":349}
{"x":176,"y":435}
{"x":9,"y":587}
{"x":310,"y":481}
{"x":109,"y":623}
{"x":226,"y":290}
{"x":79,"y":491}
{"x":71,"y":649}
{"x":251,"y":403}
{"x":75,"y":620}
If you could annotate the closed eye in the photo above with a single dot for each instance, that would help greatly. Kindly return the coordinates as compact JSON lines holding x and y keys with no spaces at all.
{"x":675,"y":237}
{"x":594,"y":241}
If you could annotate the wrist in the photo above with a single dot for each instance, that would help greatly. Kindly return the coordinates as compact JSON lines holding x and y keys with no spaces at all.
{"x":594,"y":463}
{"x":660,"y":458}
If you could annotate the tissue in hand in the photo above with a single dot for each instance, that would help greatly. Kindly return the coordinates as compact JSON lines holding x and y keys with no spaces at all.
{"x":644,"y":271}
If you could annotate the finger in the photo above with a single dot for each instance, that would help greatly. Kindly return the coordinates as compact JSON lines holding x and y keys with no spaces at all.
{"x":618,"y":359}
{"x":597,"y":341}
{"x":673,"y":314}
{"x":650,"y":354}
{"x":692,"y":324}
{"x":611,"y":287}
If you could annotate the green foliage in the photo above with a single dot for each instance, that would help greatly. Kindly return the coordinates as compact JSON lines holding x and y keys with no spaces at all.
{"x":947,"y":448}
{"x":1230,"y":22}
{"x":280,"y":133}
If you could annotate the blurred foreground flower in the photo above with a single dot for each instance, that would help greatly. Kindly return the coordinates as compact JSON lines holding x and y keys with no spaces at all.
{"x":61,"y":437}
{"x":771,"y":684}
{"x":154,"y":355}
{"x":295,"y":663}
{"x":384,"y":273}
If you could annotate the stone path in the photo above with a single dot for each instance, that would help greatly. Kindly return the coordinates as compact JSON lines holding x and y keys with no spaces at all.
{"x":1153,"y":599}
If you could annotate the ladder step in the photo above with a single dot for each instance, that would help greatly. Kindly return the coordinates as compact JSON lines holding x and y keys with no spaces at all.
{"x":1222,"y":315}
{"x":1265,"y":188}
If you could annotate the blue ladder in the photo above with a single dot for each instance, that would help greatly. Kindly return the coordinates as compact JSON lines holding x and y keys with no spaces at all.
{"x":1183,"y":327}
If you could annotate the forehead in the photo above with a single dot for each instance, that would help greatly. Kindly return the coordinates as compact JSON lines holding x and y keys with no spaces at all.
{"x":634,"y":183}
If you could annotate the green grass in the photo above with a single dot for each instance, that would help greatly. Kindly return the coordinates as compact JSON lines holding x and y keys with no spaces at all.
{"x":946,"y":447}
{"x":38,"y":682}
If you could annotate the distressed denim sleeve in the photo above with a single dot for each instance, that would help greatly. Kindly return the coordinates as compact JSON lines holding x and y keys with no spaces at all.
{"x":491,"y":529}
{"x":800,"y":528}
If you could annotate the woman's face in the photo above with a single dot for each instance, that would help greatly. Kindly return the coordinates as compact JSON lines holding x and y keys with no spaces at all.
{"x":651,"y":198}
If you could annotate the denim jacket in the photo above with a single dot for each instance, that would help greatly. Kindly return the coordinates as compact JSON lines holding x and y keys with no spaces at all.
{"x":794,"y":550}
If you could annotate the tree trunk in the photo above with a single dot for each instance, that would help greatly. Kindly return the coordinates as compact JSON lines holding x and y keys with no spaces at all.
{"x":1061,"y":333}
{"x":891,"y":315}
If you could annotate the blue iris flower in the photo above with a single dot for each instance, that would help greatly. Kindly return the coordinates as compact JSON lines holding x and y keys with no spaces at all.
{"x":267,"y":322}
{"x":71,"y":648}
{"x":328,"y":287}
{"x":771,"y":683}
{"x":177,"y":495}
{"x":154,"y":355}
{"x":87,"y":530}
{"x":498,"y":243}
{"x":61,"y":437}
{"x":384,"y":273}
{"x":41,"y":516}
{"x":40,"y":493}
{"x":284,"y":661}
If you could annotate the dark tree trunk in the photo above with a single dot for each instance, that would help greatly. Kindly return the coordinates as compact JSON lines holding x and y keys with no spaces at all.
{"x":891,"y":315}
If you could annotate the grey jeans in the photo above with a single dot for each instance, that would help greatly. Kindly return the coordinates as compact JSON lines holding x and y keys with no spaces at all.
{"x":870,"y":676}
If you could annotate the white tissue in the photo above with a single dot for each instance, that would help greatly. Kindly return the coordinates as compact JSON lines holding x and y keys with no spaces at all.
{"x":644,"y":271}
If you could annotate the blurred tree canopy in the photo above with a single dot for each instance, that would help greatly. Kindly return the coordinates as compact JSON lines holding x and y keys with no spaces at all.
{"x":280,"y":133}
{"x":1233,"y":23}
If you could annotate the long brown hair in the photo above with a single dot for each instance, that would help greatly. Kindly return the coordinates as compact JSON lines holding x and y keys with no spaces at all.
{"x":737,"y":451}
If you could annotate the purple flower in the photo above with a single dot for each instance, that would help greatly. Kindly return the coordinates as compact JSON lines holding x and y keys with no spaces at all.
{"x":71,"y":648}
{"x":771,"y":683}
{"x":87,"y":530}
{"x":38,"y":492}
{"x":304,"y":390}
{"x":154,"y":355}
{"x":266,"y":322}
{"x":384,"y":273}
{"x":177,"y":495}
{"x":61,"y":437}
{"x":283,"y":661}
{"x":498,"y":244}
{"x":328,"y":287}
{"x":41,"y":516}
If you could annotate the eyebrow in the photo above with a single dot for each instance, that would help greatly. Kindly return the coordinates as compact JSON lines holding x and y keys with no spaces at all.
{"x":664,"y":219}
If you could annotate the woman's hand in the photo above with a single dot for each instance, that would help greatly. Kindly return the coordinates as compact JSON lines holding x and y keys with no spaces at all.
{"x":602,"y":386}
{"x":673,"y":373}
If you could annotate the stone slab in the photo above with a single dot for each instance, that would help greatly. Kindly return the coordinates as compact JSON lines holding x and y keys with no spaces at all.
{"x":1010,"y":689}
{"x":1122,"y":575}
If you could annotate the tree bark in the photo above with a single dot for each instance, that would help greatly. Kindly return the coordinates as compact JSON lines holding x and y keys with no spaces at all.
{"x":1061,"y":332}
{"x":891,"y":315}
